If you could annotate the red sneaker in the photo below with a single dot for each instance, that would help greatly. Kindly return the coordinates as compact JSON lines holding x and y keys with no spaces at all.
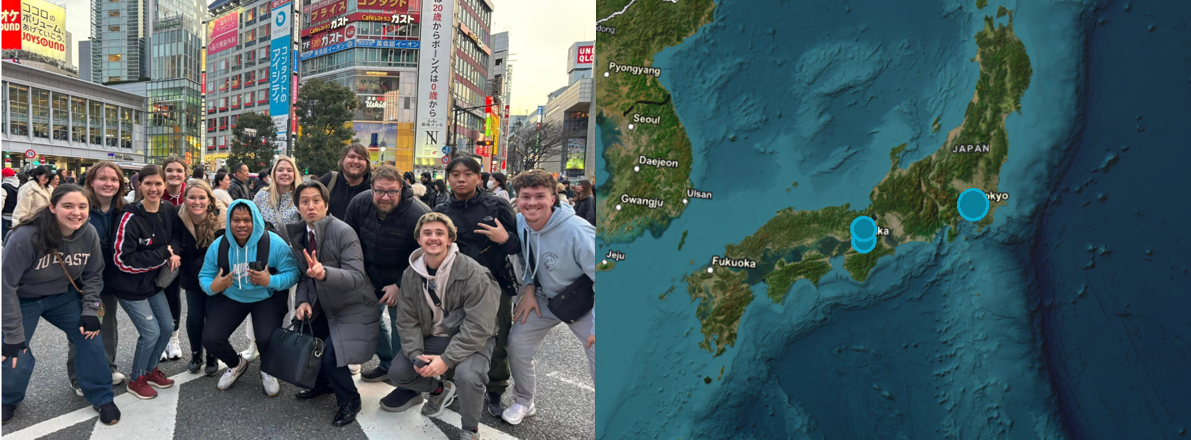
{"x":140,"y":388}
{"x":158,"y":380}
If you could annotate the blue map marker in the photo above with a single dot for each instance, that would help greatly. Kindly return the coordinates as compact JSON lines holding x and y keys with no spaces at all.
{"x":973,"y":204}
{"x":864,"y":234}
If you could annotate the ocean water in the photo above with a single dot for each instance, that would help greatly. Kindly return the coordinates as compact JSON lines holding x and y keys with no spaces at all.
{"x":836,"y":87}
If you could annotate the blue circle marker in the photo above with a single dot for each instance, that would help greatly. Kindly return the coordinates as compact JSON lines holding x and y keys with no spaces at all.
{"x":864,"y":234}
{"x":973,"y":204}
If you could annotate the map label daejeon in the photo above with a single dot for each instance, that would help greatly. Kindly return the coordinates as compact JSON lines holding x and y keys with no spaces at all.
{"x":659,"y":163}
{"x":641,"y":201}
{"x":696,"y":194}
{"x":743,"y":263}
{"x":980,"y":148}
{"x":634,"y":70}
{"x":652,"y":120}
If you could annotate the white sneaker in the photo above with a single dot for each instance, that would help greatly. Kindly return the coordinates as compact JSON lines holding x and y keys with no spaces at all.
{"x":250,"y":354}
{"x":175,"y":351}
{"x":230,"y":376}
{"x":118,"y":378}
{"x":355,"y":369}
{"x":272,"y":388}
{"x":517,"y":412}
{"x":165,"y":355}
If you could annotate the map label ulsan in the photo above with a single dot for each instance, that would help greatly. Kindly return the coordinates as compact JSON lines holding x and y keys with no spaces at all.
{"x":652,"y":120}
{"x":980,"y":148}
{"x":743,"y":263}
{"x":634,"y":70}
{"x":659,"y":163}
{"x":606,"y":29}
{"x":641,"y":201}
{"x":696,"y":194}
{"x":614,"y":255}
{"x":998,"y":196}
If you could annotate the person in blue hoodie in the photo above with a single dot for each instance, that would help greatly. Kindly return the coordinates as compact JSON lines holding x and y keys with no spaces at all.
{"x":242,"y":284}
{"x":557,"y":250}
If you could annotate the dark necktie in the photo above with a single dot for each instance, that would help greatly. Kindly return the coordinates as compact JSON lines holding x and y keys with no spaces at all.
{"x":310,"y":245}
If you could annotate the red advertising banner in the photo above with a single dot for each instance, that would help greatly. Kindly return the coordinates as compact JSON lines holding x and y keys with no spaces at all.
{"x":10,"y":33}
{"x":388,"y":17}
{"x":203,"y":82}
{"x":585,"y":55}
{"x":488,"y":105}
{"x":223,"y":33}
{"x":327,"y":11}
{"x":389,"y":6}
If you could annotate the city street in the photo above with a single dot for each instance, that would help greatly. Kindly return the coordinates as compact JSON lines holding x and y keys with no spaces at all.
{"x":194,"y":409}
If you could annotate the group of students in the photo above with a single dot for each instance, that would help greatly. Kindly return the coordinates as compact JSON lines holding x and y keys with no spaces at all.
{"x":334,"y":252}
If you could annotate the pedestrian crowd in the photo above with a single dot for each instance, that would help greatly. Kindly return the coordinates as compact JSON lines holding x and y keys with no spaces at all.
{"x":472,"y":277}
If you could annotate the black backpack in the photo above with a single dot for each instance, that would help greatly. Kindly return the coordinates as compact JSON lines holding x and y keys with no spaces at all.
{"x":262,"y":253}
{"x":10,"y":201}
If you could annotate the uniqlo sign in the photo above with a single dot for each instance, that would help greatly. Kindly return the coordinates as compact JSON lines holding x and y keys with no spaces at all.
{"x":11,"y":31}
{"x":585,"y":55}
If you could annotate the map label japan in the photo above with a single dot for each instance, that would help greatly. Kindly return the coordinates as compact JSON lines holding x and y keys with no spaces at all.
{"x":634,"y":70}
{"x":651,"y":203}
{"x":743,"y":263}
{"x":653,"y":120}
{"x":658,"y":163}
{"x":981,"y":148}
{"x":998,"y":197}
{"x":614,"y":255}
{"x":696,"y":194}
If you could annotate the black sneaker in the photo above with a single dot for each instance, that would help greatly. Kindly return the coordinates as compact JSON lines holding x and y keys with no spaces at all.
{"x":375,"y":375}
{"x":196,"y":362}
{"x":494,"y":406}
{"x":9,"y":410}
{"x":212,"y":365}
{"x":400,"y":400}
{"x":108,"y":413}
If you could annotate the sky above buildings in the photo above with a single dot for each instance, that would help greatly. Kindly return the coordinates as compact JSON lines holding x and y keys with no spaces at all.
{"x":540,"y":32}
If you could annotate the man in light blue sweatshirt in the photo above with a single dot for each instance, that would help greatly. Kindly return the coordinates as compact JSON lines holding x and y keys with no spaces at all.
{"x":557,"y":249}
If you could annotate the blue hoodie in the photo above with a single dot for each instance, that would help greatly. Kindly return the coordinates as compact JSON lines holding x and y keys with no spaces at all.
{"x":563,"y":250}
{"x":242,"y":290}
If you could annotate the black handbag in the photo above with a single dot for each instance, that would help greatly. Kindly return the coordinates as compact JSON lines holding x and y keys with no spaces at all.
{"x":294,"y":356}
{"x":574,"y":301}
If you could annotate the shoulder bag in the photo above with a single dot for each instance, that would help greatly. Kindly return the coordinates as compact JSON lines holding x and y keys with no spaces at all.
{"x":294,"y":355}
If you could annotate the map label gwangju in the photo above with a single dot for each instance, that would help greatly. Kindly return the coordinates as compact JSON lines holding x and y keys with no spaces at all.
{"x":652,"y":120}
{"x":614,"y":255}
{"x":979,"y":148}
{"x":696,"y":194}
{"x":998,"y":196}
{"x":659,"y":163}
{"x":743,"y":263}
{"x":634,"y":70}
{"x":641,"y":201}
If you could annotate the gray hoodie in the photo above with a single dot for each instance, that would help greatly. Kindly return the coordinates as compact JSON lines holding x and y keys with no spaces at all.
{"x":29,"y":275}
{"x":563,"y":251}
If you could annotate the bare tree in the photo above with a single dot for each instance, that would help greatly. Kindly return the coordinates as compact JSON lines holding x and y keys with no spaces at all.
{"x":531,"y":145}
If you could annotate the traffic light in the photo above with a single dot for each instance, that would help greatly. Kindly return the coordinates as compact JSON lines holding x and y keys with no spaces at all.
{"x":484,"y":143}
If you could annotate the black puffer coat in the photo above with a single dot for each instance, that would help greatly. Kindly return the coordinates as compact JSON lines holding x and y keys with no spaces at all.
{"x":486,"y":208}
{"x":387,"y":243}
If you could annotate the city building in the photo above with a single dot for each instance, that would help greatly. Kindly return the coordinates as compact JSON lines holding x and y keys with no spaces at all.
{"x":571,"y":108}
{"x":85,"y":60}
{"x":68,"y":123}
{"x":469,"y":66}
{"x":120,"y":33}
{"x":237,"y":70}
{"x":500,"y":80}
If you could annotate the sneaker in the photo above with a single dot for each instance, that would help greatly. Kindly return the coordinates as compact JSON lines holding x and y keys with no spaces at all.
{"x":118,"y":378}
{"x":250,"y":354}
{"x":375,"y":375}
{"x":77,"y":389}
{"x":272,"y":388}
{"x":157,"y":379}
{"x":9,"y":410}
{"x":469,"y":435}
{"x":165,"y":355}
{"x":435,"y":405}
{"x":494,"y":406}
{"x":108,"y":413}
{"x":196,"y":362}
{"x":399,"y":400}
{"x":355,"y":368}
{"x":517,"y":412}
{"x":174,"y":347}
{"x":231,"y":374}
{"x":140,"y":388}
{"x":212,"y":365}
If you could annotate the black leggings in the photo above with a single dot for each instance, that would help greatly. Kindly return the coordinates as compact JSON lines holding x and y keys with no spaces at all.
{"x":198,"y":307}
{"x":227,"y":314}
{"x":173,"y":295}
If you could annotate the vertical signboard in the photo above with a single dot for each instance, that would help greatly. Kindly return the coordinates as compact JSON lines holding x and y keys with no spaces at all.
{"x":11,"y":31}
{"x":434,"y":75}
{"x":280,"y":78}
{"x":223,"y":33}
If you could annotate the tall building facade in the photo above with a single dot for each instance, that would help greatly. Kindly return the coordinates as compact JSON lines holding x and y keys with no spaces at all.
{"x":85,"y":60}
{"x":175,"y":96}
{"x":469,"y":86}
{"x":500,"y":80}
{"x":120,"y":33}
{"x":571,"y":107}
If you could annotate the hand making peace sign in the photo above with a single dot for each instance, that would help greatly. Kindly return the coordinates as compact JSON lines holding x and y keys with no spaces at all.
{"x":314,"y":269}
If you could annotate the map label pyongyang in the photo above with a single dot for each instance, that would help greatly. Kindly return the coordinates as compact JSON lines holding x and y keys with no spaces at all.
{"x":998,"y":196}
{"x":658,"y":163}
{"x":980,"y":148}
{"x":743,"y":263}
{"x":614,"y":255}
{"x":653,"y":120}
{"x":696,"y":194}
{"x":641,"y":201}
{"x":634,"y":70}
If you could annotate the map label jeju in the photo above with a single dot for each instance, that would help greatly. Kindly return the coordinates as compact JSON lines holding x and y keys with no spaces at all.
{"x":980,"y":148}
{"x":614,"y":255}
{"x":743,"y":263}
{"x":652,"y":120}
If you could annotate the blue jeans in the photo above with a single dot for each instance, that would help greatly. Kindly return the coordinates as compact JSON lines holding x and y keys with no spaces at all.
{"x":153,"y":321}
{"x":4,"y":230}
{"x":386,"y":351}
{"x":64,"y":311}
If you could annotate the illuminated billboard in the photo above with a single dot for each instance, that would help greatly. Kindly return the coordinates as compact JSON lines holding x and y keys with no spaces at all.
{"x":43,"y":29}
{"x":223,"y":33}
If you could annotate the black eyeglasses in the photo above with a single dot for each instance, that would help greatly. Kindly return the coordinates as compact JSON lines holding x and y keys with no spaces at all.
{"x":392,"y":194}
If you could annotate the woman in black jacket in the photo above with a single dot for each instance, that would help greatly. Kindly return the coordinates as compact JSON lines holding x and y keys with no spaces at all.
{"x":201,"y":219}
{"x":144,"y":244}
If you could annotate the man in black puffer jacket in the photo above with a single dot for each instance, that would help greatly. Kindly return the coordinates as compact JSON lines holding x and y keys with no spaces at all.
{"x":384,"y":218}
{"x":487,"y":232}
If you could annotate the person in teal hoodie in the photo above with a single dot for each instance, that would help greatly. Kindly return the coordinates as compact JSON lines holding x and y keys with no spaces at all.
{"x":557,"y":250}
{"x":244,"y":280}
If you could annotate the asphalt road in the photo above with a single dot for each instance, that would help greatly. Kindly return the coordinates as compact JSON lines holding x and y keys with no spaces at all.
{"x":195,"y":409}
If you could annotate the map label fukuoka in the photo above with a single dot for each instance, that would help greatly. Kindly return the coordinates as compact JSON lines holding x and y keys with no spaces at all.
{"x":882,"y":231}
{"x":652,"y":120}
{"x":980,"y":148}
{"x":641,"y":201}
{"x":634,"y":70}
{"x":743,"y":263}
{"x":606,"y":29}
{"x":614,"y":255}
{"x":696,"y":194}
{"x":998,"y":197}
{"x":659,"y":163}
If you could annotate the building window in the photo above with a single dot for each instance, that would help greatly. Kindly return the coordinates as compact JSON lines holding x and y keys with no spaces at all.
{"x":18,"y":101}
{"x":78,"y":120}
{"x":95,"y":116}
{"x":114,"y":28}
{"x":41,"y":113}
{"x":110,"y":119}
{"x":114,"y":57}
{"x":125,"y":127}
{"x":61,"y":105}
